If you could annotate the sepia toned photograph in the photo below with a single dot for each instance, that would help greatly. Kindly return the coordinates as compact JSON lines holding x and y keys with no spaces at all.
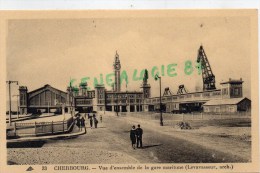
{"x":131,"y":90}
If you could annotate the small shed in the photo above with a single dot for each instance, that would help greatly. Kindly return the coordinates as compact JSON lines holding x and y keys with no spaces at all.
{"x":228,"y":105}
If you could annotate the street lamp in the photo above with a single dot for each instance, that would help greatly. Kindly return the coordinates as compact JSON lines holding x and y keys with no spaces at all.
{"x":10,"y":104}
{"x":161,"y":118}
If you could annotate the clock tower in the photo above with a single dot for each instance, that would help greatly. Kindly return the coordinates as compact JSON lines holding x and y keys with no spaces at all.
{"x":117,"y":67}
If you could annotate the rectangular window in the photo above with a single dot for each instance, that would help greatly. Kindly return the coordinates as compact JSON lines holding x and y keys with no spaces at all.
{"x":231,"y":109}
{"x":206,"y":94}
{"x":197,"y":95}
{"x":225,"y":91}
{"x":189,"y":96}
{"x":236,"y":91}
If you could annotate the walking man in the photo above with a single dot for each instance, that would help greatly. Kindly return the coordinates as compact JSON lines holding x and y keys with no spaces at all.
{"x":95,"y":122}
{"x":78,"y":122}
{"x":100,"y":118}
{"x":139,"y":134}
{"x":90,"y":122}
{"x":83,"y":123}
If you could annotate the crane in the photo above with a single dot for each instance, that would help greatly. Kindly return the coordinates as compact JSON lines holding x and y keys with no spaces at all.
{"x":207,"y":75}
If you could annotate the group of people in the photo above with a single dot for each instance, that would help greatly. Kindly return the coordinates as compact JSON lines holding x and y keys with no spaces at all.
{"x":93,"y":120}
{"x":136,"y":135}
{"x":80,"y":121}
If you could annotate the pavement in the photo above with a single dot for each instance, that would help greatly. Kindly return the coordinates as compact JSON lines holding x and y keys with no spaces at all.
{"x":110,"y":143}
{"x":209,"y":137}
{"x":15,"y":116}
{"x":21,"y":118}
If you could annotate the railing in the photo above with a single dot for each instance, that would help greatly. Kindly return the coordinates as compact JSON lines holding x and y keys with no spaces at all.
{"x":43,"y":128}
{"x":171,"y":119}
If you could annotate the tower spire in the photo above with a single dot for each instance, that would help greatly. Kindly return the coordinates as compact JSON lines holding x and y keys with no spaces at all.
{"x":117,"y":67}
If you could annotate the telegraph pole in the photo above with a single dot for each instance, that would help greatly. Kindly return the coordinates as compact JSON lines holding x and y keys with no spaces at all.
{"x":10,"y":104}
{"x":17,"y":105}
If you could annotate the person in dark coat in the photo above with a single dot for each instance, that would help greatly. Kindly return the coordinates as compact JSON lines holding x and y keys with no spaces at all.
{"x":91,"y":122}
{"x":139,"y":134}
{"x":95,"y":122}
{"x":100,"y":118}
{"x":133,"y":136}
{"x":78,"y":122}
{"x":82,"y":122}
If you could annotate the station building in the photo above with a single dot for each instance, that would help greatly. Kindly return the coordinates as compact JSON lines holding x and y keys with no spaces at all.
{"x":229,"y":98}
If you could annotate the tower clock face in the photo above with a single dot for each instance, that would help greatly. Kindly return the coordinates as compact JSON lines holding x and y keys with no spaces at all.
{"x":117,"y":66}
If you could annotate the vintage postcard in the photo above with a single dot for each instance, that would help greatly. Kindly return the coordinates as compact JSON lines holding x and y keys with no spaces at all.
{"x":129,"y":91}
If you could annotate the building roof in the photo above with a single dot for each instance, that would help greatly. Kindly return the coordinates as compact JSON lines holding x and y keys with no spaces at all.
{"x":233,"y":81}
{"x":232,"y":101}
{"x":46,"y":86}
{"x":124,"y":92}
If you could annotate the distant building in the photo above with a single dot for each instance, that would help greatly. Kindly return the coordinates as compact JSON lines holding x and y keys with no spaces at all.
{"x":116,"y":100}
{"x":227,"y":105}
{"x":44,"y":99}
{"x":207,"y":101}
{"x":227,"y":99}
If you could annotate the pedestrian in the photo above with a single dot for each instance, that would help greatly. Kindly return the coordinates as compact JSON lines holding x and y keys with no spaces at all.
{"x":94,"y":115}
{"x":95,"y":122}
{"x":88,"y":116}
{"x":100,"y":118}
{"x":90,"y":122}
{"x":133,"y":136}
{"x":83,"y":123}
{"x":78,"y":122}
{"x":139,"y":135}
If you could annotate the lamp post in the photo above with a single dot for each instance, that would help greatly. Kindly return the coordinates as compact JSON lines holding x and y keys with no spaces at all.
{"x":161,"y":117}
{"x":10,"y":104}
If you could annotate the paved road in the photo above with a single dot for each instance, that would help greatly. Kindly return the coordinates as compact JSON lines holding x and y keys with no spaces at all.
{"x":113,"y":135}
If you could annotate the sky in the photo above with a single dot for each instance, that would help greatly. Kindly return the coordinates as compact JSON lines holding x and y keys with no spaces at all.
{"x":53,"y":51}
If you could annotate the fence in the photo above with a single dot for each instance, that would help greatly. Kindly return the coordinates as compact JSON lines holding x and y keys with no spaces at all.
{"x":172,"y":119}
{"x":191,"y":116}
{"x":42,"y":128}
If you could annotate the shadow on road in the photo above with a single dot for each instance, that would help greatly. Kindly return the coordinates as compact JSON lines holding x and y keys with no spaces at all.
{"x":96,"y":128}
{"x":149,"y":146}
{"x":31,"y":144}
{"x":11,"y":163}
{"x":63,"y":138}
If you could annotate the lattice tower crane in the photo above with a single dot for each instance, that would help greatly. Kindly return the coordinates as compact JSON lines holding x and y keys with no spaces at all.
{"x":207,"y":75}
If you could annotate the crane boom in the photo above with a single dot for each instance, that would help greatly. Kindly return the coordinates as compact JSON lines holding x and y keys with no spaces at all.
{"x":207,"y":75}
